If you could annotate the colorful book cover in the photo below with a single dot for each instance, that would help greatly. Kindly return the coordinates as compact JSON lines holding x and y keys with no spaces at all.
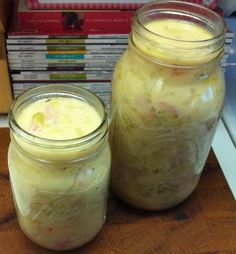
{"x":62,"y":61}
{"x":19,"y":69}
{"x":80,"y":21}
{"x":90,"y":64}
{"x":60,"y":76}
{"x":64,"y":57}
{"x":41,"y":34}
{"x":64,"y":53}
{"x":70,"y":47}
{"x":67,"y":41}
{"x":14,"y":32}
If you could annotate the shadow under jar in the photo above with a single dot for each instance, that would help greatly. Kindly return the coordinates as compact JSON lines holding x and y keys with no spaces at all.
{"x":167,"y":97}
{"x":59,"y":162}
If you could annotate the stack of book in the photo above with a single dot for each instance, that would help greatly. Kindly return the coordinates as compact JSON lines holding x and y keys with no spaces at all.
{"x":71,"y":41}
{"x":67,"y":45}
{"x":228,"y":48}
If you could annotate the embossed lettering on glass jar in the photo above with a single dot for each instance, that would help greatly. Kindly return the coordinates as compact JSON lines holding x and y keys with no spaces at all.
{"x":167,"y":97}
{"x":59,"y":184}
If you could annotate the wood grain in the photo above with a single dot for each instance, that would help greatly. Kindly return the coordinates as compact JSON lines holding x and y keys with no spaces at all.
{"x":204,"y":224}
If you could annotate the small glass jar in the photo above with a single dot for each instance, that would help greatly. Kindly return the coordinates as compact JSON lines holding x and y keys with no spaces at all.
{"x":60,"y":187}
{"x":167,"y":97}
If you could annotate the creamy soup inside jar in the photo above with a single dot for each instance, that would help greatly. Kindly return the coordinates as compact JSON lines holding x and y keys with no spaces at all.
{"x":59,"y":162}
{"x":167,"y":98}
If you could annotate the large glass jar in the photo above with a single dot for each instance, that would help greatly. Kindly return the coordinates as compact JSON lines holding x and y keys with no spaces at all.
{"x":60,"y":185}
{"x":167,"y":97}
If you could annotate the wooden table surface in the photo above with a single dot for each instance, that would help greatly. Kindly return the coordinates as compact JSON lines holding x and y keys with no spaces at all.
{"x":204,"y":224}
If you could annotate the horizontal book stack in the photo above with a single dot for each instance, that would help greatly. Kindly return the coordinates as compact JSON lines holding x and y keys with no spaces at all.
{"x":228,"y":48}
{"x":72,"y":41}
{"x":78,"y":47}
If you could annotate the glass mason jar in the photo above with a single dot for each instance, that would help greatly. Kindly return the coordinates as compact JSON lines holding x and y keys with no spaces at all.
{"x":167,"y":97}
{"x":60,"y":187}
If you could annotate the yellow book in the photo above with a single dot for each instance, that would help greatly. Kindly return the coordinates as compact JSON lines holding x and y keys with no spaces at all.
{"x":5,"y":84}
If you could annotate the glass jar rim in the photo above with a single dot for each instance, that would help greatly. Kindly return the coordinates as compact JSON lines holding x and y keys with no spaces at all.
{"x":183,"y":3}
{"x":70,"y":91}
{"x":165,"y":49}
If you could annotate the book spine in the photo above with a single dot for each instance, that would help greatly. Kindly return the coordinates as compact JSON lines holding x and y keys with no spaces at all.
{"x":129,"y":4}
{"x":17,"y":47}
{"x":18,"y":68}
{"x":92,"y":64}
{"x":228,"y":49}
{"x":63,"y":61}
{"x":228,"y":40}
{"x":71,"y":5}
{"x":84,"y":22}
{"x":57,"y":57}
{"x":41,"y":34}
{"x":61,"y":53}
{"x":67,"y":64}
{"x":60,"y":76}
{"x":67,"y":41}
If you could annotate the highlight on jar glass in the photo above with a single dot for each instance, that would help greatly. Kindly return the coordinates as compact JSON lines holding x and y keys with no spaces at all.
{"x":59,"y":162}
{"x":167,"y":97}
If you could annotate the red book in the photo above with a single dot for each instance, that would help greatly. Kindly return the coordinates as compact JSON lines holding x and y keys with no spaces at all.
{"x":85,"y":4}
{"x":101,"y":4}
{"x":83,"y":21}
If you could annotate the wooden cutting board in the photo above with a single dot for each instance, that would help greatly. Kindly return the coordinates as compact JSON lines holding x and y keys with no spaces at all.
{"x":204,"y":224}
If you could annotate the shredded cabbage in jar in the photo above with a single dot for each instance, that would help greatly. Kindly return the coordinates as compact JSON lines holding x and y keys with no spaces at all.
{"x":60,"y":202}
{"x":164,"y":119}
